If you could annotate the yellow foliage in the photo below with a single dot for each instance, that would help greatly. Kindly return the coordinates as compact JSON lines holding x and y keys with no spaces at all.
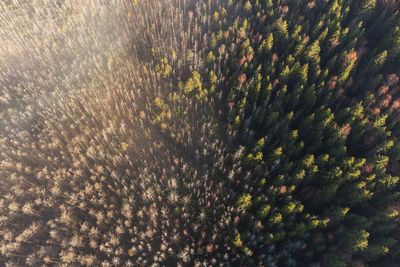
{"x":124,"y":146}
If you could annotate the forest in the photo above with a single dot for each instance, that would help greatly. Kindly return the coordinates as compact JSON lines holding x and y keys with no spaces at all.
{"x":199,"y":133}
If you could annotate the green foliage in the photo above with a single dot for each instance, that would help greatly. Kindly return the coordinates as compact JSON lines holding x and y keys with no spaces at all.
{"x":244,"y":201}
{"x":269,"y":136}
{"x":380,"y":58}
{"x":237,"y":241}
{"x":164,"y":68}
{"x":210,"y":58}
{"x":264,"y":210}
{"x":281,"y":26}
{"x":313,"y":50}
{"x":359,"y":240}
{"x":193,"y":86}
{"x":309,"y":160}
{"x":276,"y":218}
